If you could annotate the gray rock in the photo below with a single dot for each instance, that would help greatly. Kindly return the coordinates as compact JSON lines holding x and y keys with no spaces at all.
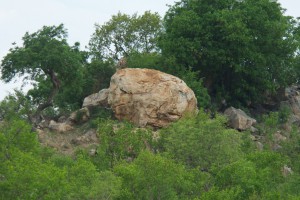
{"x":238,"y":119}
{"x":97,"y":99}
{"x":60,"y":127}
{"x":80,"y":116}
{"x":259,"y":146}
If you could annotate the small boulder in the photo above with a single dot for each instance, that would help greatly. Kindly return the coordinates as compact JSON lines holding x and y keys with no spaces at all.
{"x":97,"y":99}
{"x":286,"y":171}
{"x":278,"y":137}
{"x":60,"y":127}
{"x":238,"y":119}
{"x":259,"y":146}
{"x":80,"y":116}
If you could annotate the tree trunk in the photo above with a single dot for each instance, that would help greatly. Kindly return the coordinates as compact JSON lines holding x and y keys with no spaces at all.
{"x":36,"y":118}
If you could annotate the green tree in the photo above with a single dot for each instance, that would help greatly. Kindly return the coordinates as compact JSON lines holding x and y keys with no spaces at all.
{"x":124,"y":34}
{"x":243,"y":49}
{"x":45,"y":58}
{"x":97,"y":76}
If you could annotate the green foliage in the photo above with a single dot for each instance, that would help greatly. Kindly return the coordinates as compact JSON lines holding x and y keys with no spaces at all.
{"x":284,"y":114}
{"x":215,"y":194}
{"x":15,"y":105}
{"x":26,"y":173}
{"x":191,"y":79}
{"x":152,"y":176}
{"x":258,"y":174}
{"x":270,"y":124}
{"x":124,"y":34}
{"x":243,"y":49}
{"x":55,"y":67}
{"x":291,"y":148}
{"x":16,"y":135}
{"x":97,"y":76}
{"x":87,"y":183}
{"x":202,"y":141}
{"x":144,"y":60}
{"x":120,"y":141}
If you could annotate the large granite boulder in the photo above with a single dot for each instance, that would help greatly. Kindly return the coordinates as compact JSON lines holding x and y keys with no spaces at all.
{"x":149,"y":97}
{"x":238,"y":119}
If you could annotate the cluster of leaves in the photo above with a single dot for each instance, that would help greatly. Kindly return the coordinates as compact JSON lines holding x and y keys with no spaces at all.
{"x":125,"y":34}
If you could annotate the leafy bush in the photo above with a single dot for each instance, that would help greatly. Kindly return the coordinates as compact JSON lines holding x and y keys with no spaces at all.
{"x":202,"y":141}
{"x":120,"y":141}
{"x":152,"y":176}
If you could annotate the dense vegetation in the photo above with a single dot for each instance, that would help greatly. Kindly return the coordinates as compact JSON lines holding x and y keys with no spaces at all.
{"x":237,"y":52}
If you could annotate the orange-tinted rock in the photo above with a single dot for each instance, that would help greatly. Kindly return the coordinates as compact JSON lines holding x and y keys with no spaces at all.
{"x":149,"y":97}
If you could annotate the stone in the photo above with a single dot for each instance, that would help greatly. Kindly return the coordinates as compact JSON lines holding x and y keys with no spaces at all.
{"x":278,"y":137}
{"x":60,"y":127}
{"x":43,"y":124}
{"x":80,"y":116}
{"x":149,"y":97}
{"x":97,"y":99}
{"x":90,"y":137}
{"x":92,"y":152}
{"x":62,"y":119}
{"x":276,"y":147}
{"x":253,"y":129}
{"x":259,"y":146}
{"x":286,"y":171}
{"x":238,"y":119}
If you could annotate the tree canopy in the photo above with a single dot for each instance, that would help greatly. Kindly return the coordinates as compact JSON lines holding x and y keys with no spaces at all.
{"x":45,"y":58}
{"x":243,"y":49}
{"x":125,"y":34}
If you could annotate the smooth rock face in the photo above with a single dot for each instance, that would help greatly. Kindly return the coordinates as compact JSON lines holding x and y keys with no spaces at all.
{"x":149,"y":97}
{"x":97,"y":99}
{"x":238,"y":119}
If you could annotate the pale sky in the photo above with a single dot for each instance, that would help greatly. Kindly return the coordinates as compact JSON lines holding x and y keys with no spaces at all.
{"x":78,"y":16}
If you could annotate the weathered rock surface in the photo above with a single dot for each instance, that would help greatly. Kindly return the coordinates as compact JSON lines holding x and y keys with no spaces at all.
{"x":292,"y":102}
{"x":278,"y":137}
{"x":238,"y":119}
{"x":149,"y":97}
{"x":60,"y":127}
{"x":79,"y":116}
{"x":90,"y":137}
{"x":97,"y":99}
{"x":286,"y":171}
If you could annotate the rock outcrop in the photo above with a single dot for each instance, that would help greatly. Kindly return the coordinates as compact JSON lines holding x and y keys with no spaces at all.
{"x":97,"y":99}
{"x":238,"y":119}
{"x":60,"y":127}
{"x":149,"y":97}
{"x":292,"y":102}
